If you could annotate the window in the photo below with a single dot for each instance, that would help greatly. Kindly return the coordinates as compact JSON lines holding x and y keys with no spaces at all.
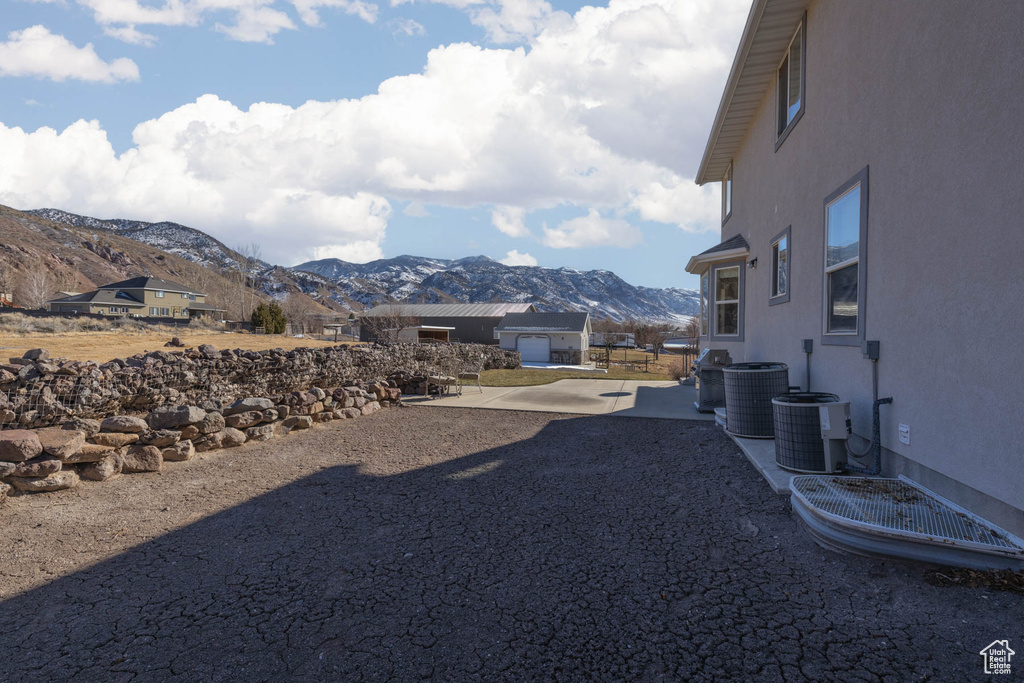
{"x":780,"y":268}
{"x":727,"y":282}
{"x":165,"y":311}
{"x":705,"y":276}
{"x":845,"y":261}
{"x":789,"y":95}
{"x":727,"y":195}
{"x":159,"y":295}
{"x":154,"y":311}
{"x":124,"y":309}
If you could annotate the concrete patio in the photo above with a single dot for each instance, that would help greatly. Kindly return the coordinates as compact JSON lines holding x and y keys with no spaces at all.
{"x":622,"y":398}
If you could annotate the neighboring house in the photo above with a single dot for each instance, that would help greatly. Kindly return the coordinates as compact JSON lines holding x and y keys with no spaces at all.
{"x":470,"y":323}
{"x":140,"y":297}
{"x":915,"y":105}
{"x":7,"y":300}
{"x":547,"y":337}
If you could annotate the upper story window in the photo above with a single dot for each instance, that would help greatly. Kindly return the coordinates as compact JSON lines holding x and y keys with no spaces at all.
{"x":160,"y":295}
{"x":727,"y":195}
{"x":184,"y":295}
{"x":780,"y":268}
{"x":789,"y":95}
{"x":846,"y":226}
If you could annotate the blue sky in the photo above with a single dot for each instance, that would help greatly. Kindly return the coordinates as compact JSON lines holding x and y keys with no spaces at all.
{"x":559,"y":134}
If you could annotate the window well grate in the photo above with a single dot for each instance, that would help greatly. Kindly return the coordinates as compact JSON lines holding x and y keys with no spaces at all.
{"x":901,"y":509}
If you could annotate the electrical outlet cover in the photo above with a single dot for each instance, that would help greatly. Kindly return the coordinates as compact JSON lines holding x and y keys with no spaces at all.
{"x":904,"y":434}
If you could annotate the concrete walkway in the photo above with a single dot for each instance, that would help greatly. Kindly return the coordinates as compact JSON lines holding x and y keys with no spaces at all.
{"x":626,"y":398}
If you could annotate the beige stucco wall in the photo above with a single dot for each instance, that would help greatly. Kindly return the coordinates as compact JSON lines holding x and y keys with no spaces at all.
{"x":929,"y":95}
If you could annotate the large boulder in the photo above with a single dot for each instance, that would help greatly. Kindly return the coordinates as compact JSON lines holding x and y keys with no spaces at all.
{"x":297,"y":422}
{"x":6,"y":468}
{"x":19,"y":445}
{"x":142,"y":459}
{"x":90,"y":452}
{"x":161,"y":438}
{"x":105,"y":468}
{"x":57,"y":481}
{"x":370,"y":407}
{"x":248,"y":404}
{"x":172,"y":417}
{"x":225,"y":438}
{"x":4,"y":490}
{"x":81,"y":424}
{"x":37,"y":354}
{"x":189,"y":432}
{"x":61,"y":443}
{"x":213,"y":422}
{"x":264,"y":432}
{"x":250,"y":418}
{"x":114,"y":439}
{"x":124,"y":424}
{"x":179,"y":452}
{"x":42,"y":466}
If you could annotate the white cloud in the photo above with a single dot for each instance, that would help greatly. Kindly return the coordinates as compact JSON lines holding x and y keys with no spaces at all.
{"x":607,"y":112}
{"x":416,"y":210}
{"x":37,"y":52}
{"x":514,"y":258}
{"x":131,"y":35}
{"x":366,"y":11}
{"x":592,"y":230}
{"x":510,"y":220}
{"x":407,"y":27}
{"x":255,"y":24}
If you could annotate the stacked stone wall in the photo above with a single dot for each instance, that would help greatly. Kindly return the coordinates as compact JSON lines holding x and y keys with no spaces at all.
{"x":36,"y":391}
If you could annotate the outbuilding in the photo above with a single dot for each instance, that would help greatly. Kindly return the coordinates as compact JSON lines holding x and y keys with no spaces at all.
{"x":547,"y":337}
{"x":466,"y":323}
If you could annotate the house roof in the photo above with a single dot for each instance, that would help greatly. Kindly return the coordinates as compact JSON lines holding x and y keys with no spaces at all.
{"x":101,"y":296}
{"x":153,"y":283}
{"x":544,"y":322}
{"x":447,"y":310}
{"x":196,"y":306}
{"x":732,"y":248}
{"x":769,"y":29}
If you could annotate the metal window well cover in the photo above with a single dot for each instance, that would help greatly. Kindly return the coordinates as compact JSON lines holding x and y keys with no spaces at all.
{"x":896,"y":517}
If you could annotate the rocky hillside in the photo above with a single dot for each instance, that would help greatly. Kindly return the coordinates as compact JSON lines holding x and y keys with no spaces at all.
{"x":342,"y":286}
{"x":480,"y":279}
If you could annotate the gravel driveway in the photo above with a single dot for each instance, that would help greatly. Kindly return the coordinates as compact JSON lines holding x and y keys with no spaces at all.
{"x":465,"y":545}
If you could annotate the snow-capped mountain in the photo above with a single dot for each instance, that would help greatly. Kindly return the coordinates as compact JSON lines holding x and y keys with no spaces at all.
{"x":341,"y":285}
{"x":480,"y":279}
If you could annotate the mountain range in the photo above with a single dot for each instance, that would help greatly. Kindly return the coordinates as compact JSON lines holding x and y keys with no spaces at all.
{"x":342,"y":286}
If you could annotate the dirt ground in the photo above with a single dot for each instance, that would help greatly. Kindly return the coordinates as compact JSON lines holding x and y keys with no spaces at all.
{"x":104,"y":346}
{"x":457,"y":545}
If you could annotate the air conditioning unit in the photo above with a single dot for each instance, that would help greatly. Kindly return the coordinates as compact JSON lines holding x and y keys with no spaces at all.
{"x":811,"y":430}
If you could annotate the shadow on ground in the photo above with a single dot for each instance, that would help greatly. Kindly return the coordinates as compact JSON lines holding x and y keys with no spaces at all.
{"x":598,"y":549}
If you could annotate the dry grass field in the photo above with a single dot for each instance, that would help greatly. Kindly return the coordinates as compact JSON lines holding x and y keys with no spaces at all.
{"x":102,"y":346}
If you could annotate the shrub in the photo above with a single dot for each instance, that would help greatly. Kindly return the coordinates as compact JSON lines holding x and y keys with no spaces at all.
{"x":269,"y":317}
{"x":678,"y":369}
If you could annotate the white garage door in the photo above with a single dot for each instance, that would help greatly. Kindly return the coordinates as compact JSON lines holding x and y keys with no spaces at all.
{"x":534,"y":349}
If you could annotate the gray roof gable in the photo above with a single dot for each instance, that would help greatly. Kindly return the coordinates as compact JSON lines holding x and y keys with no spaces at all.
{"x":546,"y":322}
{"x":153,"y":283}
{"x":447,"y":310}
{"x":734,"y":242}
{"x":101,"y":296}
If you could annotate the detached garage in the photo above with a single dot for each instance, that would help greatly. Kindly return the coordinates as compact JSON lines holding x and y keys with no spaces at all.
{"x":547,"y":337}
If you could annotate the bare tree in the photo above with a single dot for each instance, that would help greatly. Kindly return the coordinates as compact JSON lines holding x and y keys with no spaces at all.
{"x":386,"y":325}
{"x":691,"y":330}
{"x":35,"y":288}
{"x":7,"y":282}
{"x":299,"y":310}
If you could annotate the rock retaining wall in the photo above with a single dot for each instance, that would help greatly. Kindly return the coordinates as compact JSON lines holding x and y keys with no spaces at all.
{"x":36,"y":391}
{"x":56,"y":458}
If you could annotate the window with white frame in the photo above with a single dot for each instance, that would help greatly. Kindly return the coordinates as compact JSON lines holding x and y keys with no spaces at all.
{"x":789,"y":94}
{"x":154,"y":311}
{"x":727,"y":305}
{"x":704,"y":278}
{"x":845,"y":256}
{"x":165,"y":311}
{"x":727,"y":194}
{"x":160,"y":295}
{"x":184,"y":295}
{"x":780,"y":268}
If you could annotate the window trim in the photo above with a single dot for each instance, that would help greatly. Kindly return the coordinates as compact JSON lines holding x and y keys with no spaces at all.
{"x":802,"y":30}
{"x":847,"y":338}
{"x":781,"y":298}
{"x":727,"y":193}
{"x":713,"y":303}
{"x":160,"y":294}
{"x":704,"y":295}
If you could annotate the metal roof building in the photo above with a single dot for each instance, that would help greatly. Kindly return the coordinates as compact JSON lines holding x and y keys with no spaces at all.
{"x":472,"y":323}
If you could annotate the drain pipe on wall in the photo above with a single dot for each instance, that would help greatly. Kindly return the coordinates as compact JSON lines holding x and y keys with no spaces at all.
{"x":870,"y":349}
{"x":808,"y":348}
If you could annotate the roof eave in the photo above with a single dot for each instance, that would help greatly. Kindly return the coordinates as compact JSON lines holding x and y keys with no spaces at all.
{"x":698,"y":264}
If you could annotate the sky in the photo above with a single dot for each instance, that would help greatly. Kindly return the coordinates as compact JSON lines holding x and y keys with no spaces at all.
{"x":534,"y":132}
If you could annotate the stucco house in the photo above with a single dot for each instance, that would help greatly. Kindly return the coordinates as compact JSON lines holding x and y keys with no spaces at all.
{"x":869,"y":155}
{"x":547,"y":337}
{"x":140,"y":296}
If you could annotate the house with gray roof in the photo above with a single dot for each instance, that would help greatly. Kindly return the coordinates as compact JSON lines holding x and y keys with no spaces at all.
{"x":547,"y":337}
{"x":144,"y":296}
{"x":465,"y":323}
{"x":868,"y":155}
